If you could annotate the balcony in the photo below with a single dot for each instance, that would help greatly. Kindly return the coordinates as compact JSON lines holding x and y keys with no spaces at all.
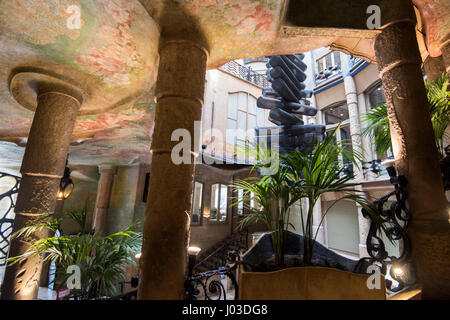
{"x":245,"y":73}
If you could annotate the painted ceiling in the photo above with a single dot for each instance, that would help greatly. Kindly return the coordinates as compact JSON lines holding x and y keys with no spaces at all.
{"x":113,"y":58}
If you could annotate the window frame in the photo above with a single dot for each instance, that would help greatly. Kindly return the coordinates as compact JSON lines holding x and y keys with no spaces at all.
{"x":247,"y":113}
{"x":216,"y":220}
{"x":201,"y":206}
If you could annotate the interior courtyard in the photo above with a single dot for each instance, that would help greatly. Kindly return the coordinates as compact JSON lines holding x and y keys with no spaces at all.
{"x":130,"y":136}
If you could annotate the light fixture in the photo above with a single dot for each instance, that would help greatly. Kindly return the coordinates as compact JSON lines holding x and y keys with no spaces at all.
{"x":138,"y":255}
{"x":398,"y":271}
{"x":65,"y":185}
{"x":192,"y":253}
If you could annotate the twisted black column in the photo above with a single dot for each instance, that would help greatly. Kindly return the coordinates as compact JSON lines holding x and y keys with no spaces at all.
{"x":286,"y":100}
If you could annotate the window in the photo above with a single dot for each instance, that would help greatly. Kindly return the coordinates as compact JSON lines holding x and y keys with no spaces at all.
{"x":240,"y":206}
{"x":376,"y":96}
{"x":332,"y":117}
{"x":243,"y":117}
{"x":197,"y":203}
{"x":219,"y":202}
{"x":328,"y":65}
{"x":335,"y":115}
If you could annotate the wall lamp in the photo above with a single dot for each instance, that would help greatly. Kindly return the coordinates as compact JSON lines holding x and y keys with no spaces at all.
{"x":65,"y":185}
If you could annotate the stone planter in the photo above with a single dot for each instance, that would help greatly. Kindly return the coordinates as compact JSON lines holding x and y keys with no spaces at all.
{"x":304,"y":282}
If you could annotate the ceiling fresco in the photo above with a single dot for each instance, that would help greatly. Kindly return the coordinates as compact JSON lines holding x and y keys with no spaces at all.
{"x":112,"y":57}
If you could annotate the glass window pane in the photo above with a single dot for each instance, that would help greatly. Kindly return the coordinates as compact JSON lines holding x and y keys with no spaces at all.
{"x":197,"y":207}
{"x":231,"y":127}
{"x":251,"y":104}
{"x":240,"y":207}
{"x":242,"y":121}
{"x":223,"y":203}
{"x":242,"y":101}
{"x":251,"y":127}
{"x":376,"y":96}
{"x":261,"y":117}
{"x":320,"y":65}
{"x":337,"y":58}
{"x":232,"y":105}
{"x":346,"y":139}
{"x":214,"y":201}
{"x":335,"y":115}
{"x":328,"y":60}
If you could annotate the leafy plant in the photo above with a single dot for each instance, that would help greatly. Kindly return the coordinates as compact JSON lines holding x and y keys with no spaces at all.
{"x":301,"y":175}
{"x":101,"y":259}
{"x":377,"y":122}
{"x":318,"y":171}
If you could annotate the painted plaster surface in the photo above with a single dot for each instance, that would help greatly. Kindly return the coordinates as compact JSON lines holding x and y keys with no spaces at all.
{"x":113,"y":59}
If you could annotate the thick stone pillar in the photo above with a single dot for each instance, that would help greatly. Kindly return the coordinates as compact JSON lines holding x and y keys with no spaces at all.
{"x":105,"y":184}
{"x":45,"y":272}
{"x":42,"y":169}
{"x":179,"y":94}
{"x":416,"y":155}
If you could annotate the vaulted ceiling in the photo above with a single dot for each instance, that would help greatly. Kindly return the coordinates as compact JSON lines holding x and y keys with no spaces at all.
{"x":113,"y":56}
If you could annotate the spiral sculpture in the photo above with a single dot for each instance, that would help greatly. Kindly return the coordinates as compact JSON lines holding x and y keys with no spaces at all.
{"x":286,"y":100}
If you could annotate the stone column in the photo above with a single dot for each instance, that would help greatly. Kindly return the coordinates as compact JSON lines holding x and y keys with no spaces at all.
{"x":43,"y":282}
{"x":416,"y":155}
{"x":42,"y":169}
{"x":355,"y":129}
{"x":179,"y":94}
{"x":445,"y":49}
{"x":105,"y":184}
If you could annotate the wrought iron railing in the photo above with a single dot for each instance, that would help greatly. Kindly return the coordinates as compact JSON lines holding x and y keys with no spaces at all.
{"x":246,"y":74}
{"x":220,"y":256}
{"x":7,"y":203}
{"x":395,"y":219}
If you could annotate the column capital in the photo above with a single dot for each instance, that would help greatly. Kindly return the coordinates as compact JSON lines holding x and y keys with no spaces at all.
{"x":105,"y":167}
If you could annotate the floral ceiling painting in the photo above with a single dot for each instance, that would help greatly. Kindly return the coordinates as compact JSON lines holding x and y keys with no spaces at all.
{"x":111,"y":55}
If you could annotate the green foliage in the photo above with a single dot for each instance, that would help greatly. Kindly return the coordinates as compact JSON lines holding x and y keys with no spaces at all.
{"x":301,"y":176}
{"x":102,"y":259}
{"x":377,"y":122}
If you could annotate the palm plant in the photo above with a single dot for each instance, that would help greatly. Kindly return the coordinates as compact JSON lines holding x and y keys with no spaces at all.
{"x":272,"y":197}
{"x":377,"y":122}
{"x":318,"y":171}
{"x":101,"y":259}
{"x":301,"y":175}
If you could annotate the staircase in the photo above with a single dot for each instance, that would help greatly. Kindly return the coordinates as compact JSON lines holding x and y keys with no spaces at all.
{"x":217,"y":256}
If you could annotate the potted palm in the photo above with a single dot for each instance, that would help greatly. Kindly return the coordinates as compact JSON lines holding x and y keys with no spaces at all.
{"x":301,"y":176}
{"x":101,"y":259}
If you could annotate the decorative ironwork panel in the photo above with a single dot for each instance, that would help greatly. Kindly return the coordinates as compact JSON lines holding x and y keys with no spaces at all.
{"x":9,"y":186}
{"x":217,"y":284}
{"x":395,"y":218}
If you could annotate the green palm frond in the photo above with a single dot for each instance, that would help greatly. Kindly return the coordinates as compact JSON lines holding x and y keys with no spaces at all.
{"x":377,"y":121}
{"x":102,"y":259}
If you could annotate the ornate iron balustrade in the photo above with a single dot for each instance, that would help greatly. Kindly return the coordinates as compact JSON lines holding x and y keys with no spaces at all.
{"x":209,"y":285}
{"x":396,"y":219}
{"x":222,"y":253}
{"x":245,"y":73}
{"x":7,"y":203}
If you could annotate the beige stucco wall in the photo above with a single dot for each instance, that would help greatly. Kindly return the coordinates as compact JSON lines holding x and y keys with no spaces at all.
{"x":218,"y":85}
